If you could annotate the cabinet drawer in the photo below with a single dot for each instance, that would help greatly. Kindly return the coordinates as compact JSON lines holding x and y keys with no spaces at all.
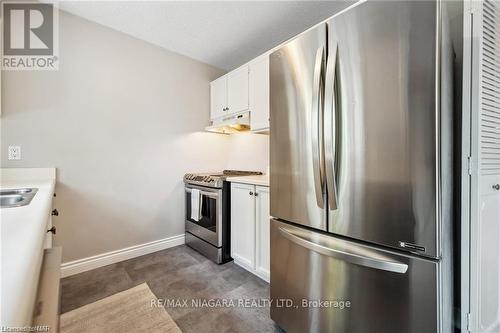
{"x":391,"y":292}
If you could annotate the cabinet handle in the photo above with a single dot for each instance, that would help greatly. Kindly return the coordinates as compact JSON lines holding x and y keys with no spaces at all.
{"x":256,"y":194}
{"x":55,"y":212}
{"x":52,"y":230}
{"x":251,"y":193}
{"x":496,"y":187}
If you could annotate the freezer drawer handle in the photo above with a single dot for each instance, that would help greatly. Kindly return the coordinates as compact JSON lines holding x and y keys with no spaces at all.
{"x":354,"y":258}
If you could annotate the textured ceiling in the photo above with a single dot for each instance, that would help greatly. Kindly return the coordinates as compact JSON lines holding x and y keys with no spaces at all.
{"x":224,"y":34}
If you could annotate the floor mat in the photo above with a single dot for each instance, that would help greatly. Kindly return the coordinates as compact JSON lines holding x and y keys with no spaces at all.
{"x":131,"y":310}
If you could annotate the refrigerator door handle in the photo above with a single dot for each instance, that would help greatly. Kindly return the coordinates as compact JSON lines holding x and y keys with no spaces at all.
{"x":316,"y":118}
{"x":330,"y":113}
{"x":351,"y":253}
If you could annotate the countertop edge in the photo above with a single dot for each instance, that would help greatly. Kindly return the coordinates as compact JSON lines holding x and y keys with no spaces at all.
{"x":21,"y":270}
{"x":259,"y":180}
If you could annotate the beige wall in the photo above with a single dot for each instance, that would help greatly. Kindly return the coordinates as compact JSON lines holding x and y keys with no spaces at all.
{"x":122,"y":122}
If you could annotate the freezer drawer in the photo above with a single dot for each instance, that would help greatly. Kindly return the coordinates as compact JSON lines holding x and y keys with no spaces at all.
{"x":365,"y":289}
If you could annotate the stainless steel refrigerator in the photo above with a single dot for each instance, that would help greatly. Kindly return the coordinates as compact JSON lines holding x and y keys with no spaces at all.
{"x":360,"y":165}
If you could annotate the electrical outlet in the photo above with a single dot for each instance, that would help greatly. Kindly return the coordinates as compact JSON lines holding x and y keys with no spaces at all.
{"x":14,"y":152}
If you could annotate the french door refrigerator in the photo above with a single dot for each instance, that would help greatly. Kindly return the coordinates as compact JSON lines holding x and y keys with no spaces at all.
{"x":360,"y":170}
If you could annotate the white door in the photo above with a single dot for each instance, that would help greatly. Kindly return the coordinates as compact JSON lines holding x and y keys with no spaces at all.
{"x":218,"y":97}
{"x":482,"y":107}
{"x":243,"y":224}
{"x":488,"y":272}
{"x":262,"y":247}
{"x":259,"y":94}
{"x":237,"y":90}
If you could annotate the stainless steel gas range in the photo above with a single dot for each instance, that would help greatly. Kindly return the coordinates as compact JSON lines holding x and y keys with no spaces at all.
{"x":208,"y":211}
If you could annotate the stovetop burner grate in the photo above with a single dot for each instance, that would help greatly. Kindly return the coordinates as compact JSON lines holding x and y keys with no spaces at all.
{"x":215,"y":179}
{"x":240,"y":173}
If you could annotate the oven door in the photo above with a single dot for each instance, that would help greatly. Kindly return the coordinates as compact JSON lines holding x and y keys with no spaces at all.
{"x":209,"y":226}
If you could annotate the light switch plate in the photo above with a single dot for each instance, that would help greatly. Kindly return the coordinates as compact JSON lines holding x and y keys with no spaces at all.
{"x":14,"y":152}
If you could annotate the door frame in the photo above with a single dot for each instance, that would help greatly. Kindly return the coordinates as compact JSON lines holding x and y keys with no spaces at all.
{"x":471,"y":177}
{"x":466,"y":169}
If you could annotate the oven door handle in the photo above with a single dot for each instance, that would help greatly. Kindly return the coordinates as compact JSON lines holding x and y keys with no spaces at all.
{"x":214,"y":195}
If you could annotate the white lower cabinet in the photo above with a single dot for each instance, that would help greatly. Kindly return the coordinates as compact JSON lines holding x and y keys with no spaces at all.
{"x":262,"y":228}
{"x":243,"y":224}
{"x":250,"y":246}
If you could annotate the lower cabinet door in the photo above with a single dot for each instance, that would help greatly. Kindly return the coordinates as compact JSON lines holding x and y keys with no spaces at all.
{"x":243,"y":224}
{"x":321,"y":283}
{"x":262,"y":246}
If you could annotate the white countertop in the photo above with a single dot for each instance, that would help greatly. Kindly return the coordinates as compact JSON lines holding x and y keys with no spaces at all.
{"x":23,"y":231}
{"x":261,"y":180}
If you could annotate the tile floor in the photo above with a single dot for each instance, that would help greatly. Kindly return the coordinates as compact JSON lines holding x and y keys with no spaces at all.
{"x":179,"y":273}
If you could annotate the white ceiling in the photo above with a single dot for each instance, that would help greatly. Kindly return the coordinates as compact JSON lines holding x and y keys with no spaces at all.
{"x":224,"y":34}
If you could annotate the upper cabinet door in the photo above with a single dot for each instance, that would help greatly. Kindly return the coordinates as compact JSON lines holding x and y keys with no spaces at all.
{"x":259,"y":94}
{"x":218,"y":97}
{"x":237,"y":90}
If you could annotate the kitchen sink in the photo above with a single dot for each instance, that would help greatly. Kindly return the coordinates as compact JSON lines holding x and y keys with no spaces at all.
{"x":16,"y":197}
{"x":16,"y":191}
{"x":9,"y":200}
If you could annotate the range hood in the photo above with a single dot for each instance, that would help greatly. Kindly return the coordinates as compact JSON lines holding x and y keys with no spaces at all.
{"x":231,"y":124}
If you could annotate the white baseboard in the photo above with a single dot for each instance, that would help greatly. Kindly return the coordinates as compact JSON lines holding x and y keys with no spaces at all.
{"x":86,"y":264}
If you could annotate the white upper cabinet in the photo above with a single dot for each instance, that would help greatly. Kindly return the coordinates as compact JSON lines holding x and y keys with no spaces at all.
{"x":229,"y":94}
{"x":237,"y":90}
{"x":218,"y":97}
{"x":259,"y":94}
{"x":244,"y":89}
